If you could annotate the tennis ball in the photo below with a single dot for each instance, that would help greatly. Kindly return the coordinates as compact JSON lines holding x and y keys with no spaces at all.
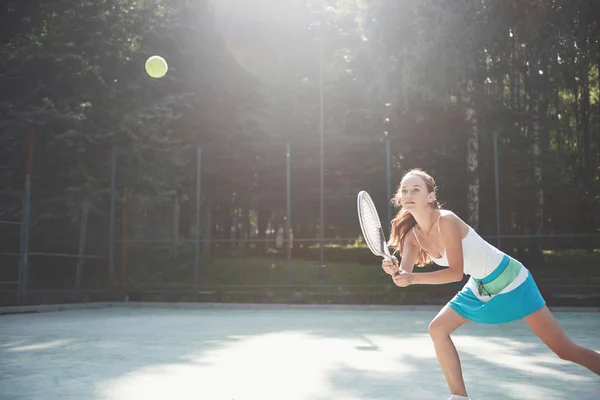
{"x":156,"y":67}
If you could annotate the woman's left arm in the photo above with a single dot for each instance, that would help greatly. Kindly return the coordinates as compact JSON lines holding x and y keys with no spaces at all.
{"x":450,"y":228}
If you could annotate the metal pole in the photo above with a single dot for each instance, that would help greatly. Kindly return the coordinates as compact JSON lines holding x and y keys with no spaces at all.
{"x":497,"y":189}
{"x":288,"y":220}
{"x":322,"y":204}
{"x":25,"y":227}
{"x":388,"y":171}
{"x":85,"y":208}
{"x":113,"y":204}
{"x":21,"y":253}
{"x":25,"y":249}
{"x":124,"y":243}
{"x":198,"y":209}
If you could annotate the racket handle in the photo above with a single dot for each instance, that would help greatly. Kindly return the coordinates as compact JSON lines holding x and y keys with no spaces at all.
{"x":391,"y":259}
{"x":396,"y":273}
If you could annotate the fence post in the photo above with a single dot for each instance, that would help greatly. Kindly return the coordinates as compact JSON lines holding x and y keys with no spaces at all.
{"x":388,"y":174}
{"x":111,"y":232}
{"x":26,"y":222}
{"x":198,"y":209}
{"x":497,"y":189}
{"x":124,"y":244}
{"x":85,"y":208}
{"x":288,"y":220}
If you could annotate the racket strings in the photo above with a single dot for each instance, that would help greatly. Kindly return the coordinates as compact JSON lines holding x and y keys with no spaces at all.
{"x":373,"y":232}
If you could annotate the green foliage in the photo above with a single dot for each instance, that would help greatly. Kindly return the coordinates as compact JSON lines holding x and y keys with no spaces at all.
{"x":348,"y":268}
{"x":242,"y":83}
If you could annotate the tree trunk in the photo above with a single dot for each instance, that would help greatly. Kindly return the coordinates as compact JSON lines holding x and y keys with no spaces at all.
{"x":233,"y":224}
{"x":207,"y":224}
{"x":246,"y":220}
{"x":576,"y":138}
{"x":538,"y":111}
{"x":264,"y":214}
{"x":472,"y":156}
{"x":598,"y":82}
{"x":514,"y":85}
{"x":587,"y":142}
{"x":537,"y":165}
{"x":585,"y":126}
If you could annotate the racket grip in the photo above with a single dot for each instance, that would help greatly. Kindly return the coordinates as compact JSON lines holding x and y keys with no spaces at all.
{"x":396,"y":273}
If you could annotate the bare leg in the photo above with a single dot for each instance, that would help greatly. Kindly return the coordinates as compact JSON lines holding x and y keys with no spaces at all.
{"x":545,"y":326}
{"x":446,"y":322}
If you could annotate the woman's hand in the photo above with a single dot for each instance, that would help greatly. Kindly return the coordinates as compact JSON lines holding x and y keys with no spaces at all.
{"x":404,"y":279}
{"x":390,"y":267}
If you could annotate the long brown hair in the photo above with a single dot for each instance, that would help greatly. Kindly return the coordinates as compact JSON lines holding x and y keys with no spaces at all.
{"x":403,"y":222}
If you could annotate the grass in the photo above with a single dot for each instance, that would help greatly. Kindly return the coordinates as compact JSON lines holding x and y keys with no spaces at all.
{"x":269,"y":272}
{"x":351,"y":275}
{"x":570,"y":252}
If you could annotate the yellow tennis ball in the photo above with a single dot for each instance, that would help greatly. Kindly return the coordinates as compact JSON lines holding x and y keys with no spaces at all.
{"x":156,"y":67}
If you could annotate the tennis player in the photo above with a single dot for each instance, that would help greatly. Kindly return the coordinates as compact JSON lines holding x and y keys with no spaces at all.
{"x":500,"y":289}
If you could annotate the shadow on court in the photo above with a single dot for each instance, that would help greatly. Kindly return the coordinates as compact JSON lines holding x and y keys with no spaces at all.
{"x":266,"y":354}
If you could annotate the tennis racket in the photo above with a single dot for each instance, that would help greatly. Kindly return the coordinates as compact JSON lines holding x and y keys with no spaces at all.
{"x":370,"y":224}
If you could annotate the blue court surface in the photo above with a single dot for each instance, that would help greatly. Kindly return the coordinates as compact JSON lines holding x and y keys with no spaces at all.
{"x":261,"y":352}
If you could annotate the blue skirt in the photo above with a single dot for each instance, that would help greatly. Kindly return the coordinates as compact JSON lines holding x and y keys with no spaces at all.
{"x":519,"y":299}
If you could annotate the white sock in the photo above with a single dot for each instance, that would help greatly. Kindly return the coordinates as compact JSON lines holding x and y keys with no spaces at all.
{"x":457,"y":397}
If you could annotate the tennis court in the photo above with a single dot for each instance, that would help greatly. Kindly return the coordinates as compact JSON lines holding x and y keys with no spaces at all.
{"x":242,"y":352}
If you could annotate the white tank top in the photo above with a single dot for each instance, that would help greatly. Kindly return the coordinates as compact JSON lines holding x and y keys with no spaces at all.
{"x":479,"y":257}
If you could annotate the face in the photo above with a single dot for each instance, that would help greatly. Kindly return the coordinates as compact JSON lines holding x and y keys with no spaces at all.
{"x":413,"y":194}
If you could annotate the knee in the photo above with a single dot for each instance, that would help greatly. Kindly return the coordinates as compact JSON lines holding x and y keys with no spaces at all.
{"x":446,"y":322}
{"x":437,"y":329}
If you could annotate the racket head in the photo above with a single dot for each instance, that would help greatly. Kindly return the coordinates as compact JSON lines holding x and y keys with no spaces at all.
{"x":370,"y":224}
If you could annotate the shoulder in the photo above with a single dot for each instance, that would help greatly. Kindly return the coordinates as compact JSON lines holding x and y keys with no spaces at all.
{"x":447,"y":216}
{"x":450,"y":223}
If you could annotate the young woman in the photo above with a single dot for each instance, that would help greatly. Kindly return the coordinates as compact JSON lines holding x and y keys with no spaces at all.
{"x":500,"y":288}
